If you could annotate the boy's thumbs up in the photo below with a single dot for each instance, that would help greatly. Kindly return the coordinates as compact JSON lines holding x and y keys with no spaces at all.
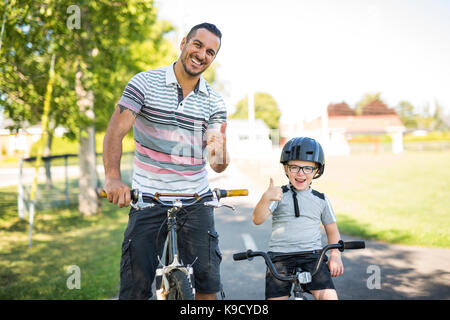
{"x":271,"y":182}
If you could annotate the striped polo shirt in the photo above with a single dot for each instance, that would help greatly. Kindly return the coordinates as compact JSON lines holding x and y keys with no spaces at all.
{"x":170,"y":132}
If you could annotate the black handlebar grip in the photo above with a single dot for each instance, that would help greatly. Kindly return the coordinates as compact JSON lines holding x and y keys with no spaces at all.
{"x":240,"y":256}
{"x":134,"y":195}
{"x":221,"y":193}
{"x":243,"y":255}
{"x":354,"y":245}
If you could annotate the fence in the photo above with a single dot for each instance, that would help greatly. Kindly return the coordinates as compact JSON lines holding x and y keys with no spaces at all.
{"x":57,"y":183}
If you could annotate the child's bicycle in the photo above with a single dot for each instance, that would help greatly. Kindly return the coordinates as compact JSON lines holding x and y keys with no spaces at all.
{"x":301,"y":276}
{"x":174,"y":279}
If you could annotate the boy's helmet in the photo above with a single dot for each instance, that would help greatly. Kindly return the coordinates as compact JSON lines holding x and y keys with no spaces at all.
{"x":304,"y":149}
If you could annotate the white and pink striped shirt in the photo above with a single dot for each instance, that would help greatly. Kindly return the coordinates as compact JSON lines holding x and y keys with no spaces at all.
{"x":170,"y":132}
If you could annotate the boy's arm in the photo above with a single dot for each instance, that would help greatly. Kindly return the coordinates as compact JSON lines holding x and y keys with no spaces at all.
{"x":262,"y":212}
{"x":335,"y":264}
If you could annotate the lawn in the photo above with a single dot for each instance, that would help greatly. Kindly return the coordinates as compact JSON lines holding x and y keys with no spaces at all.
{"x":61,"y":238}
{"x":393,"y":198}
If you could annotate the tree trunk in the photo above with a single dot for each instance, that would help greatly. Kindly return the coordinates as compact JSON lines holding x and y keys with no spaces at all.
{"x":48,"y":163}
{"x":89,"y":203}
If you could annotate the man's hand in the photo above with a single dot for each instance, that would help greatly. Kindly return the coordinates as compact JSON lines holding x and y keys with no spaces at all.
{"x":117,"y":192}
{"x":217,"y":148}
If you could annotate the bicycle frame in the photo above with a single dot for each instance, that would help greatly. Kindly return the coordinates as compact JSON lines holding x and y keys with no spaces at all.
{"x":171,"y":255}
{"x":172,"y":263}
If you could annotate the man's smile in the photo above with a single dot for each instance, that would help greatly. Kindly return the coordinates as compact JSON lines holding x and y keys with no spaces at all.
{"x":197,"y":62}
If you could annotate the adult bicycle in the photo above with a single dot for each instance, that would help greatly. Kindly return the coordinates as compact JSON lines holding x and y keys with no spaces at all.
{"x":174,"y":278}
{"x":301,"y":277}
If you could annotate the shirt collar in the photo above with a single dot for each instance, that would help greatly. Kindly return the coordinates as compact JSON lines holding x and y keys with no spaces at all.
{"x":172,"y":79}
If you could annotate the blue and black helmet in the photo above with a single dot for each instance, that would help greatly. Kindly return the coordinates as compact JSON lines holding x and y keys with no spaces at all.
{"x":304,"y":149}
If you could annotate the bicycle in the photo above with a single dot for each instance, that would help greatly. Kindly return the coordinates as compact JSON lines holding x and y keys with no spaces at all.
{"x":174,"y":279}
{"x":301,"y":276}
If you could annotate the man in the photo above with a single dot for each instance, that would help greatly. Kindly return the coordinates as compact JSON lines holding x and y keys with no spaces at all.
{"x":177,"y":119}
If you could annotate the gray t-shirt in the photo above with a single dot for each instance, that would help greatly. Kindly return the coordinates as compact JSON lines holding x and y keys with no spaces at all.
{"x":291,"y":233}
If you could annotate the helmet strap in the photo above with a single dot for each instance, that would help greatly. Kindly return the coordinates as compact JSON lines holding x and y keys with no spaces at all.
{"x":296,"y":208}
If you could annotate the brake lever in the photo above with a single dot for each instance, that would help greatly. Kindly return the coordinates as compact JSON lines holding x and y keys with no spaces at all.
{"x":140,"y":204}
{"x":217,"y":204}
{"x":228,"y":206}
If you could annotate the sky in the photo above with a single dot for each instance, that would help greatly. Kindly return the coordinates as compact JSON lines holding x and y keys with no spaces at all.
{"x":307,"y":54}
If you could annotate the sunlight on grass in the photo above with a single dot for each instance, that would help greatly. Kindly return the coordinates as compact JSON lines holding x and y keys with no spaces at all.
{"x":393,"y":198}
{"x":61,"y":238}
{"x":402,"y":198}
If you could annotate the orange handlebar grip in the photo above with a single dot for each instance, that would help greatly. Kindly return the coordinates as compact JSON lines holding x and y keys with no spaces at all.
{"x":102,"y":193}
{"x":237,"y":193}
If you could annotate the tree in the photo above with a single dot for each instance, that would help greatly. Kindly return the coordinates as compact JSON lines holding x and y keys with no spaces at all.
{"x":439,"y":123}
{"x":98,"y":46}
{"x":266,"y":108}
{"x":365,"y":100}
{"x":405,"y":111}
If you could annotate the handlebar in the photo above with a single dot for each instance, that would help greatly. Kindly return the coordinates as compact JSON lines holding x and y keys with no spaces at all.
{"x":341,"y":245}
{"x":187,"y":198}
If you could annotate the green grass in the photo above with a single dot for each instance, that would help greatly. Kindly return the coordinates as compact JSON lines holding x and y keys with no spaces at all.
{"x":61,"y":238}
{"x":403,"y":199}
{"x":394,"y":198}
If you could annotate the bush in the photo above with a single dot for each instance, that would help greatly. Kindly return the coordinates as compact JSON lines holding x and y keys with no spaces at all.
{"x":431,"y":136}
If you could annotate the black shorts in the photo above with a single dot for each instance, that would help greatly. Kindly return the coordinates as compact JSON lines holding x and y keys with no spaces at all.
{"x":144,"y":241}
{"x":287,"y":265}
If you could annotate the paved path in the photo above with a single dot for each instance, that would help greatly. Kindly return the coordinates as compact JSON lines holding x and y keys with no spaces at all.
{"x":381,"y":271}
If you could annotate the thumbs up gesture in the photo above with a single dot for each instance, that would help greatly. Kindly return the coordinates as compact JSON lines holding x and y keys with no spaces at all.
{"x":273,"y":193}
{"x":217,"y":148}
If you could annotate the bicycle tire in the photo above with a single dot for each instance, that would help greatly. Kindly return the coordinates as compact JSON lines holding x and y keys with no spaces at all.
{"x":179,"y":286}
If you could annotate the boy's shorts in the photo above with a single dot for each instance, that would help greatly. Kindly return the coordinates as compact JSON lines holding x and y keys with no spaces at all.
{"x":286,"y":265}
{"x":144,"y":240}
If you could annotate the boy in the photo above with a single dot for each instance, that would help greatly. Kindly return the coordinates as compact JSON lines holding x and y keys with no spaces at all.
{"x":297,"y":211}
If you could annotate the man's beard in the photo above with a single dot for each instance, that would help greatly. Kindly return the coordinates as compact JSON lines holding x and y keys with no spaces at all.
{"x":189,"y":72}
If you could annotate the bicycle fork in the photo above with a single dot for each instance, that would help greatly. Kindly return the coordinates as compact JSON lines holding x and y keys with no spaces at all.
{"x":173,"y":260}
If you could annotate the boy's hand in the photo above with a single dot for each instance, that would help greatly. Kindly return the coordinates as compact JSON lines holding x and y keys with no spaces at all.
{"x":273,"y":193}
{"x":335,"y":264}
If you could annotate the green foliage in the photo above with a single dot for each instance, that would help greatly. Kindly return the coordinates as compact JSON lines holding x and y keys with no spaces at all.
{"x":266,"y":108}
{"x":405,"y":111}
{"x":431,"y":136}
{"x":115,"y":40}
{"x":365,"y":100}
{"x":64,"y":145}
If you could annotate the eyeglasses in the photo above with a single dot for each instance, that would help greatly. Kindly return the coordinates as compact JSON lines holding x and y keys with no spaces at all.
{"x":305,"y":169}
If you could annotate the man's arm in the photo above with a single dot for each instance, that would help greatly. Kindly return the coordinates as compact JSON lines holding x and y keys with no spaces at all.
{"x":217,"y":148}
{"x":120,"y":123}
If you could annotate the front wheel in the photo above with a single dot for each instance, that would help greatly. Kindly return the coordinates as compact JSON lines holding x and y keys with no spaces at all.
{"x":179,"y":286}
